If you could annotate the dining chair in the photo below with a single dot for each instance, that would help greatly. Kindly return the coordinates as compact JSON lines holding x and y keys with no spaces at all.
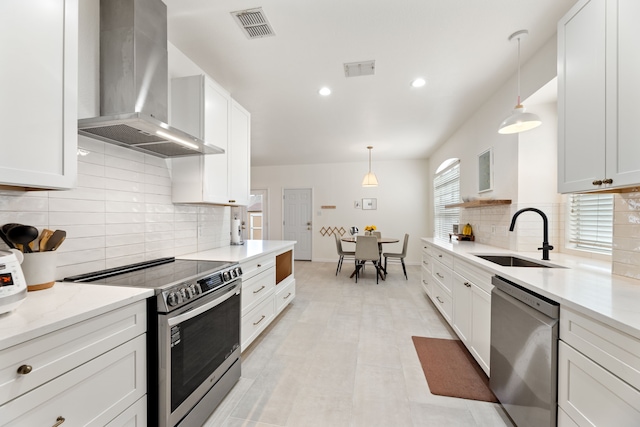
{"x":367,"y":250}
{"x":342,"y":254}
{"x":402,"y":255}
{"x":378,"y":234}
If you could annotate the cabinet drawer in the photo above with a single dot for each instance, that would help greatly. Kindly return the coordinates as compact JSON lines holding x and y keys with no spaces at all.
{"x":591,"y":395}
{"x":564,"y":420}
{"x":256,"y":321}
{"x":442,"y":301}
{"x":426,"y":263}
{"x":93,"y":394}
{"x":426,"y":250}
{"x":443,"y":275}
{"x":255,"y":289}
{"x":426,"y":280}
{"x":285,"y":293}
{"x":442,"y":256}
{"x":615,"y":350}
{"x":473,"y":274}
{"x":134,"y":416}
{"x":58,"y":352}
{"x":257,"y":265}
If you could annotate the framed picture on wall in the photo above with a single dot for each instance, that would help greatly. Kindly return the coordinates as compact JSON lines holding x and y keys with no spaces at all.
{"x":369,"y":204}
{"x":485,"y":171}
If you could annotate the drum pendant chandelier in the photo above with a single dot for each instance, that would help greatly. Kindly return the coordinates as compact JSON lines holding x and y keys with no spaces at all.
{"x":370,"y":179}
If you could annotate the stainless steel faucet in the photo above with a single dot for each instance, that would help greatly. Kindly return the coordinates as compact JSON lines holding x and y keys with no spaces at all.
{"x":546,"y":247}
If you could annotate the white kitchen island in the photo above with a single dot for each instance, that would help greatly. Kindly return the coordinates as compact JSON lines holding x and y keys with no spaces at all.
{"x":268,"y":282}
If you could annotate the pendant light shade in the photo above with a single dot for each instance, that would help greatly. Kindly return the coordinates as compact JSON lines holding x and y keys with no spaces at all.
{"x":519,"y":120}
{"x":370,"y":179}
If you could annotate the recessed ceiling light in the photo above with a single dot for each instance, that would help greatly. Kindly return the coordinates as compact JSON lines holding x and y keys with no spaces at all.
{"x":325,"y":91}
{"x":419,"y":82}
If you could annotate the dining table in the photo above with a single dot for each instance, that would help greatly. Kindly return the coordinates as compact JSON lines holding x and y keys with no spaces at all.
{"x":381,"y":241}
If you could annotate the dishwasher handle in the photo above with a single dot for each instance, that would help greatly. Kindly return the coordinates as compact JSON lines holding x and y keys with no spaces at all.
{"x":536,"y":301}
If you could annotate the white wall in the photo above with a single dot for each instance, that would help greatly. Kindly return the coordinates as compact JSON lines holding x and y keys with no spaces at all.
{"x":402,"y":198}
{"x":525,"y":165}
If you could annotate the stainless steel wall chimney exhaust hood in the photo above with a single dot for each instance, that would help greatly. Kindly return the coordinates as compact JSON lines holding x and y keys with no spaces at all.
{"x":134,"y":83}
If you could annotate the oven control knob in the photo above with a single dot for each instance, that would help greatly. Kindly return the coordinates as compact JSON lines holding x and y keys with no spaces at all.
{"x":173,"y":299}
{"x":194,"y":290}
{"x":238,"y":271}
{"x":225,"y":276}
{"x":233,"y":273}
{"x":183,"y":293}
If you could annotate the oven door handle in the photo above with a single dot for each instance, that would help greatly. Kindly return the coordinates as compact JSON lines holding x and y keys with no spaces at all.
{"x":172,"y":321}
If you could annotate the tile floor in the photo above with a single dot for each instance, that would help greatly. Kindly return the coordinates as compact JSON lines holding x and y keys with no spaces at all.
{"x":341,"y":355}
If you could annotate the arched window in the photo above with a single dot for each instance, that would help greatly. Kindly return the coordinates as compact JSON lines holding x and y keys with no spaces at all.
{"x":446,"y":190}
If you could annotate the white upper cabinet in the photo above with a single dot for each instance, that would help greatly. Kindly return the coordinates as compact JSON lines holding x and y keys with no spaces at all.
{"x":239,"y":155}
{"x":38,"y":82}
{"x":203,"y":108}
{"x":598,"y":90}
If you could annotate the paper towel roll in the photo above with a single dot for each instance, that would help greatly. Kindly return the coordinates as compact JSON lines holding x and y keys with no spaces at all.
{"x":235,"y":231}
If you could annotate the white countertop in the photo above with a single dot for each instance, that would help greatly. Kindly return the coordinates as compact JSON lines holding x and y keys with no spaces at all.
{"x":62,"y":305}
{"x":585,"y":285}
{"x":236,"y":253}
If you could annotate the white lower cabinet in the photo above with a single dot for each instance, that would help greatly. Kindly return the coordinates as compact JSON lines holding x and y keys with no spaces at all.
{"x":86,"y":374}
{"x":254,"y":322}
{"x":268,"y":286}
{"x":598,"y":373}
{"x":462,"y":293}
{"x":285,"y":293}
{"x":592,"y":396}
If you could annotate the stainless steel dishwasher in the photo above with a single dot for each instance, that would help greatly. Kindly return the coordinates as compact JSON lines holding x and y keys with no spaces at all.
{"x":524,"y":353}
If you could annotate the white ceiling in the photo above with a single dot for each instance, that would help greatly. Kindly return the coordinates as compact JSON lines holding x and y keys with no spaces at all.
{"x":460,"y":46}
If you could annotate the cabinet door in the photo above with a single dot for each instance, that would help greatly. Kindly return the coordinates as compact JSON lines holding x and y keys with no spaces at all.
{"x":462,"y":308}
{"x":217,"y":103}
{"x":623,"y":90}
{"x":239,"y":155}
{"x":90,"y":395}
{"x":581,"y":97}
{"x":38,"y":82}
{"x":481,"y":326}
{"x":591,"y":395}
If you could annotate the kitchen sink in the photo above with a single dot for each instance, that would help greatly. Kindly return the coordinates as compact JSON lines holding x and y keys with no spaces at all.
{"x":514,"y":261}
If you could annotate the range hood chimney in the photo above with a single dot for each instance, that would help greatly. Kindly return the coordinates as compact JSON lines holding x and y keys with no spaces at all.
{"x":134,"y":83}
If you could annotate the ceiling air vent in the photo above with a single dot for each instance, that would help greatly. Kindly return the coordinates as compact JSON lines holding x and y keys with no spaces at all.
{"x":254,"y":23}
{"x":363,"y":68}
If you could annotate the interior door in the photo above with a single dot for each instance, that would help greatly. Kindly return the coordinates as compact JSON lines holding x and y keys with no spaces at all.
{"x":297,"y":220}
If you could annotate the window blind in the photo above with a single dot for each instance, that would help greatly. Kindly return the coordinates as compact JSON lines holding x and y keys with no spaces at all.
{"x":446,"y":190}
{"x":591,"y":222}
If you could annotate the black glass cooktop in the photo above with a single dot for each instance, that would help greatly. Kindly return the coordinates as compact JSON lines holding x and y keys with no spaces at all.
{"x":155,"y":274}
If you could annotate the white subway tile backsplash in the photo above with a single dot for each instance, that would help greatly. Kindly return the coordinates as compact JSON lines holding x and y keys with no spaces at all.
{"x":82,"y":243}
{"x":124,"y":260}
{"x":125,"y":217}
{"x":122,"y":153}
{"x":78,"y":257}
{"x":63,"y":219}
{"x":82,"y":230}
{"x":124,"y":250}
{"x":112,"y":206}
{"x":24,"y":202}
{"x":123,"y":174}
{"x":76,"y":205}
{"x":91,"y":181}
{"x":124,"y":239}
{"x":91,"y":168}
{"x":123,"y":196}
{"x":157,"y":189}
{"x":122,"y":185}
{"x":90,"y":144}
{"x":117,"y":229}
{"x":80,"y":193}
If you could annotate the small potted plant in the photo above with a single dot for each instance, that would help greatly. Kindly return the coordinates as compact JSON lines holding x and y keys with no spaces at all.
{"x":368,"y":229}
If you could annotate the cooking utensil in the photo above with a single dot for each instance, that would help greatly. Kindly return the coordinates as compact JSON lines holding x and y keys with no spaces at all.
{"x":44,"y":238}
{"x":6,"y":240}
{"x":55,"y":240}
{"x":23,"y":234}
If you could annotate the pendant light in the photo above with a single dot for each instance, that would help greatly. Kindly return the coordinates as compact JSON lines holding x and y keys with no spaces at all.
{"x":520,"y":120}
{"x":370,"y":179}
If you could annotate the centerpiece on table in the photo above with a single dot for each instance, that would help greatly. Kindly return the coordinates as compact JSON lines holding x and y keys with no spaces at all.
{"x":368,"y":229}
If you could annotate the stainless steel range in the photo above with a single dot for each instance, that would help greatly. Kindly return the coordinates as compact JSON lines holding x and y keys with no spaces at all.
{"x":193,"y":333}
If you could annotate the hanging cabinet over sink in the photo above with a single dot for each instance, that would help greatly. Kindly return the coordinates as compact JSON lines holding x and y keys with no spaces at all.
{"x":203,"y":108}
{"x":598,"y":90}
